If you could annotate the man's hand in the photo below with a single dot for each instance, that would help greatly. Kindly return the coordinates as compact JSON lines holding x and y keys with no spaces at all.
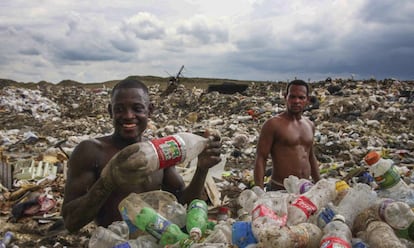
{"x":127,"y":168}
{"x":211,"y":154}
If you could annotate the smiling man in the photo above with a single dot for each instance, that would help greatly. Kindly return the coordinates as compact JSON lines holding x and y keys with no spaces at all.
{"x":98,"y":180}
{"x":288,"y":138}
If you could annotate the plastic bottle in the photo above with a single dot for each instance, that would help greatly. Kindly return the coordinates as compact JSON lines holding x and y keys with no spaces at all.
{"x":336,"y":234}
{"x":163,"y":202}
{"x":103,"y":237}
{"x":304,"y":235}
{"x":270,"y":211}
{"x":8,"y":236}
{"x":145,"y":241}
{"x":388,"y":179}
{"x":223,"y":213}
{"x":357,"y":199}
{"x":311,"y":201}
{"x":197,"y":218}
{"x":295,"y":185}
{"x":359,"y":243}
{"x":379,"y":234}
{"x":398,"y":215}
{"x":162,"y":229}
{"x":170,"y":150}
{"x":221,"y":234}
{"x":342,"y":189}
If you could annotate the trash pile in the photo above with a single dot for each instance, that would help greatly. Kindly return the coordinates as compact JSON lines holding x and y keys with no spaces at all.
{"x":40,"y":127}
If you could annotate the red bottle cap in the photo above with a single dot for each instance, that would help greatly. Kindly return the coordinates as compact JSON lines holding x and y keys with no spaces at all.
{"x":372,"y":157}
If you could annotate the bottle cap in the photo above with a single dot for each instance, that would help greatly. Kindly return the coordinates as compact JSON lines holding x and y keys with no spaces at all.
{"x":341,"y":185}
{"x":339,"y":217}
{"x":372,"y":157}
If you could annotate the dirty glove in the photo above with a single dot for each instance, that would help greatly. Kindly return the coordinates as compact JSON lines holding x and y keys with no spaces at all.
{"x":126,"y":169}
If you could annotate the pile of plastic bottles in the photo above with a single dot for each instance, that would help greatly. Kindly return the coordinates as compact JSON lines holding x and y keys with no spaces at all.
{"x":328,"y":213}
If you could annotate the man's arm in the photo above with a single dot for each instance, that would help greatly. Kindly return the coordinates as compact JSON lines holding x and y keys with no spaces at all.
{"x":264,"y":146}
{"x":84,"y":195}
{"x":314,"y":166}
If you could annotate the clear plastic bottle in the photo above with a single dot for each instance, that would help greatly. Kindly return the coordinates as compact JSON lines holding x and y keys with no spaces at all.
{"x":359,"y":243}
{"x":221,"y":234}
{"x":342,"y":189}
{"x":398,"y":215}
{"x":270,"y":211}
{"x":310,"y":202}
{"x":162,"y":229}
{"x":388,"y":178}
{"x":295,"y":185}
{"x":336,"y":234}
{"x":144,"y":241}
{"x":170,"y":150}
{"x":163,"y":202}
{"x":304,"y":235}
{"x":379,"y":234}
{"x":197,"y":217}
{"x":104,"y":237}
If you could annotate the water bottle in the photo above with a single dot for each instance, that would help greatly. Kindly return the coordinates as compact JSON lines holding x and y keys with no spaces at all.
{"x":342,"y":189}
{"x":336,"y":234}
{"x":379,"y":234}
{"x":221,"y":234}
{"x":398,"y":215}
{"x":144,"y":241}
{"x":162,"y":229}
{"x":8,"y":236}
{"x":270,"y":211}
{"x":356,"y":199}
{"x":104,"y":237}
{"x":170,"y":150}
{"x":306,"y":235}
{"x":197,"y":218}
{"x":163,"y":202}
{"x":295,"y":185}
{"x":388,"y":179}
{"x":310,"y":202}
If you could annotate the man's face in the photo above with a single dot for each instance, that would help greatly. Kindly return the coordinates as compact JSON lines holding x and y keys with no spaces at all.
{"x":129,"y":111}
{"x":296,"y":99}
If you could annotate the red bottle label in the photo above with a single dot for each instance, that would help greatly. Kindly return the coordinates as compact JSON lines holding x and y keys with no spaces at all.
{"x":261,"y":211}
{"x":169,"y":150}
{"x":334,"y":242}
{"x":304,"y":204}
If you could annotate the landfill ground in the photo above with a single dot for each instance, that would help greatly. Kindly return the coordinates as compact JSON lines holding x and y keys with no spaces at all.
{"x":44,"y":122}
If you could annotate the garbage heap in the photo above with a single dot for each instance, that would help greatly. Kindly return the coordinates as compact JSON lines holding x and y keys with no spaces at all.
{"x":40,"y":126}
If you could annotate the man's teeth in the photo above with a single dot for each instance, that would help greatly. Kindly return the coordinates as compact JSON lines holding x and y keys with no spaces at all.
{"x":129,"y":125}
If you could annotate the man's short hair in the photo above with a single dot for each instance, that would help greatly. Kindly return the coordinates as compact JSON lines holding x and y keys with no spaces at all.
{"x":298,"y":82}
{"x":129,"y":82}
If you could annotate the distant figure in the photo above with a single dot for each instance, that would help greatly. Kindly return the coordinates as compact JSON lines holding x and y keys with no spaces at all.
{"x":288,"y":138}
{"x":97,"y":181}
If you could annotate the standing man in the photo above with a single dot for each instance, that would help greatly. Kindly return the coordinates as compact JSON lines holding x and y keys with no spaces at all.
{"x":103,"y":171}
{"x":288,"y":138}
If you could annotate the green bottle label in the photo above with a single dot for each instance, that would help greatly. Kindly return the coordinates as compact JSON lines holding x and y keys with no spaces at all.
{"x":390,"y":178}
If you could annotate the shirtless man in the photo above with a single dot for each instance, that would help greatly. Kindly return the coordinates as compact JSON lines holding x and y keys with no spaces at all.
{"x":101,"y":172}
{"x":288,"y":138}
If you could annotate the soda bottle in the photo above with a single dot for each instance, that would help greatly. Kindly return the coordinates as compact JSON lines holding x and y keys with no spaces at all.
{"x":248,"y":197}
{"x":197,"y":217}
{"x":170,"y":150}
{"x":163,"y":202}
{"x":336,"y":234}
{"x":295,"y":185}
{"x":270,"y":211}
{"x":310,"y":202}
{"x":379,"y":234}
{"x":162,"y":229}
{"x":398,"y":215}
{"x":388,"y":178}
{"x":304,"y":235}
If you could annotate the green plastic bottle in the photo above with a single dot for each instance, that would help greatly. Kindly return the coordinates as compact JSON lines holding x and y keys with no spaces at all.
{"x":162,"y":229}
{"x":197,"y":216}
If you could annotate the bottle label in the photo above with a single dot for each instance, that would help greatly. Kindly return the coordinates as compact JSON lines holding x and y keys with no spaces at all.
{"x":262,"y":211}
{"x":325,"y":216}
{"x":158,"y":227}
{"x":304,"y":204}
{"x":169,"y":150}
{"x":390,"y":178}
{"x":124,"y":213}
{"x":334,"y":242}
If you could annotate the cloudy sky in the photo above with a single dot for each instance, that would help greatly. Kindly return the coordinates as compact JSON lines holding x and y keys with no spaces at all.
{"x":95,"y":41}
